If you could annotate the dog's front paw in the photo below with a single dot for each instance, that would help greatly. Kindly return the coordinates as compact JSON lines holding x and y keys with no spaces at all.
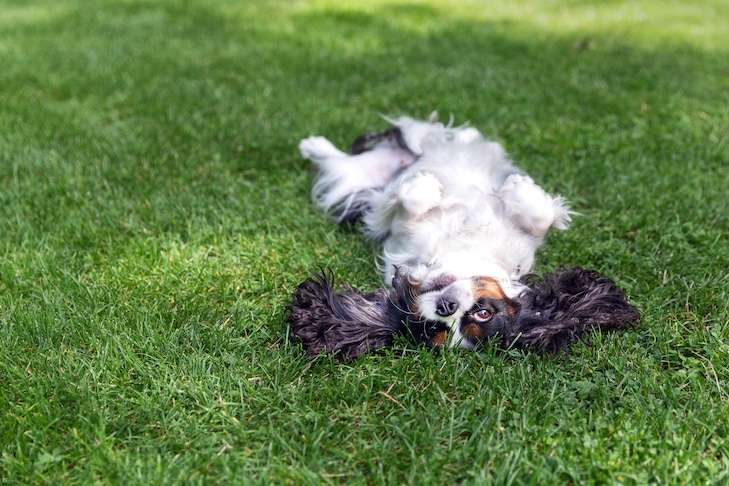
{"x":420,"y":193}
{"x":528,"y":206}
{"x":317,"y":148}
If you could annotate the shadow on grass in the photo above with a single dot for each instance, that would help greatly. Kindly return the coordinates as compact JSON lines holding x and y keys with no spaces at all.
{"x":321,"y":69}
{"x":195,"y":111}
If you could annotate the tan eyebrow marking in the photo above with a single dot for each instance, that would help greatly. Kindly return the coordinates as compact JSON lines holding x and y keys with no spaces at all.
{"x":489,"y":288}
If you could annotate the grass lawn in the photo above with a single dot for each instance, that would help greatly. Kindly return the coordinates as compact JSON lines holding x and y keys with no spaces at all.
{"x":155,"y":215}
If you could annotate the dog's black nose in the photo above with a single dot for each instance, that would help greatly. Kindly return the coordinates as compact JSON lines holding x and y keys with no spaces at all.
{"x":446,"y":307}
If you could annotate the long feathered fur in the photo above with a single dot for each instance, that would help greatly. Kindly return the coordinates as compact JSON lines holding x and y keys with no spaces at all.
{"x":346,"y":322}
{"x":565,"y":306}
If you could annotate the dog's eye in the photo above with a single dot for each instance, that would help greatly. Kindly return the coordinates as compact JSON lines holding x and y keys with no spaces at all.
{"x":483,"y":315}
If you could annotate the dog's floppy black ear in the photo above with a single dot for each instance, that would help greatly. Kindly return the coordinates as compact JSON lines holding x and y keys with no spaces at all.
{"x":345,"y":322}
{"x":565,"y":306}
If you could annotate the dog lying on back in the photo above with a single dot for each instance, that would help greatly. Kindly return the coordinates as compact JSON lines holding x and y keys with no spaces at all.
{"x":459,"y":226}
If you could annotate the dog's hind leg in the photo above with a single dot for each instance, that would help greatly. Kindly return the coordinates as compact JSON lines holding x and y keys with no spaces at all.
{"x":345,"y":183}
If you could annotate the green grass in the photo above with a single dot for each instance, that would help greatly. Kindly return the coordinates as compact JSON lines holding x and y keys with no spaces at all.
{"x":155,"y":215}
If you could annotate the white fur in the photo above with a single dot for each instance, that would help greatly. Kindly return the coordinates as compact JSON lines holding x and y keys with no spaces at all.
{"x":453,"y":205}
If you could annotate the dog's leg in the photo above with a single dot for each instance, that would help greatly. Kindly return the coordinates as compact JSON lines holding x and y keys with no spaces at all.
{"x":530,"y":208}
{"x":420,"y":193}
{"x":345,"y":182}
{"x":317,"y":149}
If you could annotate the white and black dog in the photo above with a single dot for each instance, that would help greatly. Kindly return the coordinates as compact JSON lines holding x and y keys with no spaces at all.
{"x":459,"y":226}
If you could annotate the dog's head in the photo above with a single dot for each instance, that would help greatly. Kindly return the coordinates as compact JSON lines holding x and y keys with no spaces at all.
{"x":546,"y":314}
{"x":465,"y":311}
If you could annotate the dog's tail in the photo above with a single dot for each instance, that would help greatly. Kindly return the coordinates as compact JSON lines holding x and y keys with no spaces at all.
{"x":346,"y":322}
{"x":565,"y":306}
{"x":345,"y":182}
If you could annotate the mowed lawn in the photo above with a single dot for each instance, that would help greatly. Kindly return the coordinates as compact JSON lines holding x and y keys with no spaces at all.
{"x":155,"y":215}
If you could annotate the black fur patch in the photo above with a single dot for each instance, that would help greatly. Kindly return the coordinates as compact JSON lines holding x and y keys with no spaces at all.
{"x":391,"y":138}
{"x":355,"y":208}
{"x":347,"y":322}
{"x":565,"y":306}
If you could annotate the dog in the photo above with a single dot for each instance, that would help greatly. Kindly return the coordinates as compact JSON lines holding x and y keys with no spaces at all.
{"x":459,"y":226}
